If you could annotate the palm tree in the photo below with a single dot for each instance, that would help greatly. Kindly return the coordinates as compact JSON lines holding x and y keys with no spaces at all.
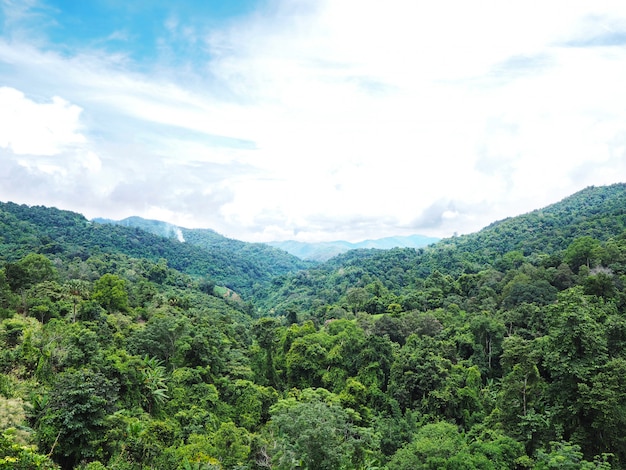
{"x":155,"y":381}
{"x":76,"y":290}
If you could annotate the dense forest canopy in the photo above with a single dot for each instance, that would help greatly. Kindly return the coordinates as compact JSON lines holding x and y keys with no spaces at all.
{"x":502,"y":349}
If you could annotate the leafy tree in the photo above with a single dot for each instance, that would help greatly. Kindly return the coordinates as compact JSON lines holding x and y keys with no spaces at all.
{"x":441,"y":446}
{"x":15,"y":456}
{"x":154,"y":382}
{"x":306,"y":360}
{"x":522,"y":395}
{"x":77,"y":290}
{"x":583,"y":251}
{"x":419,"y":370}
{"x":575,"y":353}
{"x":564,"y":455}
{"x":110,"y":292}
{"x":357,"y":297}
{"x":30,"y":270}
{"x":72,"y":425}
{"x":604,"y":399}
{"x":314,"y":434}
{"x":601,"y":285}
{"x":232,"y":445}
{"x":251,"y":403}
{"x":7,"y":298}
{"x":488,"y":332}
{"x":161,"y":337}
{"x":265,"y":330}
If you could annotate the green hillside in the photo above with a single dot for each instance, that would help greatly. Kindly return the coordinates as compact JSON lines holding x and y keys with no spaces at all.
{"x":234,"y":264}
{"x":504,"y":349}
{"x":541,"y":236}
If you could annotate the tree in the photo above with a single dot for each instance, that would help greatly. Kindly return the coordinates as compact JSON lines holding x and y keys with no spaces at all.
{"x":418,"y":370}
{"x":32,"y":269}
{"x":72,"y":424}
{"x":155,"y":383}
{"x":600,"y":284}
{"x":564,"y":455}
{"x":161,"y":338}
{"x":522,"y":389}
{"x":231,"y":444}
{"x":583,"y":251}
{"x":441,"y":446}
{"x":357,"y":297}
{"x":575,"y":352}
{"x":15,"y":456}
{"x":306,"y":360}
{"x":488,"y":333}
{"x":7,"y":298}
{"x":315,"y":434}
{"x":251,"y":403}
{"x":604,"y":399}
{"x":77,"y":290}
{"x":265,"y":330}
{"x":110,"y":292}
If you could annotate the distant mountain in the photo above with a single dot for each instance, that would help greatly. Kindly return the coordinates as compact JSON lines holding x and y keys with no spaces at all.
{"x":239,"y":261}
{"x":596,"y":211}
{"x":237,"y":265}
{"x":162,"y":229}
{"x":539,"y":237}
{"x":323,"y":251}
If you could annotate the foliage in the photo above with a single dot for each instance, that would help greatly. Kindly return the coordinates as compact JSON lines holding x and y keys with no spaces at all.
{"x":317,"y":434}
{"x":14,"y":456}
{"x":501,"y":349}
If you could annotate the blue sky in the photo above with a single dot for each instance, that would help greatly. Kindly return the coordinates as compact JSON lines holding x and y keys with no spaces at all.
{"x":145,"y":30}
{"x":310,"y":119}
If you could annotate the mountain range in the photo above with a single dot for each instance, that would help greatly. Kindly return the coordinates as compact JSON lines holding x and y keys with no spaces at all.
{"x":323,"y":251}
{"x":139,"y":344}
{"x":249,"y":268}
{"x":312,"y":251}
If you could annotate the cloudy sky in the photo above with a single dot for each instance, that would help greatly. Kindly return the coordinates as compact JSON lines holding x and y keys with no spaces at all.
{"x":310,"y":119}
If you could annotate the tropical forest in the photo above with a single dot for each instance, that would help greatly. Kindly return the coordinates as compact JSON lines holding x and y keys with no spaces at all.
{"x":123,"y":346}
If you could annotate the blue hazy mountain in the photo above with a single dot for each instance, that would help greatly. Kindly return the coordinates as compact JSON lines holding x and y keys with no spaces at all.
{"x":323,"y":251}
{"x":320,"y":251}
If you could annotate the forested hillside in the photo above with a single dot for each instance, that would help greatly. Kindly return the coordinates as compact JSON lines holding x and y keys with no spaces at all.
{"x":541,"y":236}
{"x":66,"y":235}
{"x":504,"y":349}
{"x":255,"y":257}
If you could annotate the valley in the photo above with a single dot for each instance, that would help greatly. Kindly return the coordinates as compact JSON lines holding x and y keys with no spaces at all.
{"x":139,"y":345}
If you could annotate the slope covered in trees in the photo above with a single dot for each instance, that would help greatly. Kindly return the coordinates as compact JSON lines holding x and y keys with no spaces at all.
{"x":67,"y":235}
{"x":510,"y":355}
{"x":541,"y":236}
{"x":257,"y":256}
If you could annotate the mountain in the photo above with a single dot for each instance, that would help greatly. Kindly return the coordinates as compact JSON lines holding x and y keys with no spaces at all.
{"x":269,"y":259}
{"x":323,"y":251}
{"x":540,"y":237}
{"x":162,"y":229}
{"x":237,"y":265}
{"x":506,"y":347}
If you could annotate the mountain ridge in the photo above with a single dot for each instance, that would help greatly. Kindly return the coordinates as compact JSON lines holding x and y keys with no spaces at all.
{"x":307,"y":251}
{"x":473,"y":331}
{"x":323,"y":251}
{"x":541,"y":236}
{"x":66,"y":234}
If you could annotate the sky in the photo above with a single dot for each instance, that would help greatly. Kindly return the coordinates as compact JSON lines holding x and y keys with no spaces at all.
{"x":310,"y":120}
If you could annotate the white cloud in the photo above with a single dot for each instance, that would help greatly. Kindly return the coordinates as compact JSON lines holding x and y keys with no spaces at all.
{"x":328,"y":119}
{"x":27,"y":127}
